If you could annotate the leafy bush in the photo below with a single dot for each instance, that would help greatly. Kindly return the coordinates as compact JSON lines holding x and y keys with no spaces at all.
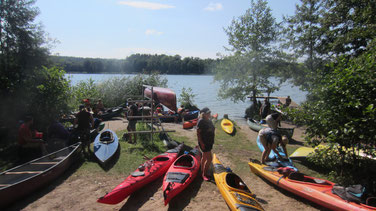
{"x":114,"y":91}
{"x":186,"y":99}
{"x":343,"y":112}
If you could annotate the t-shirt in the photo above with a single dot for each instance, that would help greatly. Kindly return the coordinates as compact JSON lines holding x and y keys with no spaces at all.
{"x":272,"y":123}
{"x":207,"y":130}
{"x":83,"y":120}
{"x":24,"y":132}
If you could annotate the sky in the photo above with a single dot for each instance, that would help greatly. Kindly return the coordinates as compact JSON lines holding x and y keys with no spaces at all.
{"x":119,"y":28}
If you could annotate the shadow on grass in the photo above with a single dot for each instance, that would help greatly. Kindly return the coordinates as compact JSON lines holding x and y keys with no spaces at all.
{"x":182,"y":200}
{"x":34,"y":196}
{"x":112,"y":161}
{"x":141,"y":196}
{"x":295,"y":142}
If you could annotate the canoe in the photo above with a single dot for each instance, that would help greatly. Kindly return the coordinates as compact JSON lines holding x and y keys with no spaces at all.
{"x":190,"y":124}
{"x":24,"y":179}
{"x":235,"y":192}
{"x":254,"y":125}
{"x":105,"y":146}
{"x":314,"y":189}
{"x":181,"y":173}
{"x":165,"y":96}
{"x":143,"y":175}
{"x":273,"y":156}
{"x":227,"y":126}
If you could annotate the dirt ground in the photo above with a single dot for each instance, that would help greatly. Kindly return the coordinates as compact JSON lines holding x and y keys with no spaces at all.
{"x":74,"y":192}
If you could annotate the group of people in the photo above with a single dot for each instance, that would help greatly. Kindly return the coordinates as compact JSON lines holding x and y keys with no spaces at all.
{"x":84,"y":121}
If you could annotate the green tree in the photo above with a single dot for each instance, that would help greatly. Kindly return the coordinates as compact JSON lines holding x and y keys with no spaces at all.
{"x":21,"y":43}
{"x":343,"y":112}
{"x":304,"y":33}
{"x":252,"y":39}
{"x":186,"y":99}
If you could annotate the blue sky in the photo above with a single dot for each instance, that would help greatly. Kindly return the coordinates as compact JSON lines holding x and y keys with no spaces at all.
{"x":119,"y":28}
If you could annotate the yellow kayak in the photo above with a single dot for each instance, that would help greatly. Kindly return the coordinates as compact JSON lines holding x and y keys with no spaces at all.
{"x":236,"y":194}
{"x":227,"y":126}
{"x":301,"y":153}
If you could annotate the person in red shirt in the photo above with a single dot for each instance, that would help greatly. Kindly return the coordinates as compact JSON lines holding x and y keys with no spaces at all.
{"x":26,"y":137}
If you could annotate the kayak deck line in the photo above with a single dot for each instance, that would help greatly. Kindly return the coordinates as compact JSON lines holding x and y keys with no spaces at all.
{"x":47,"y":163}
{"x":148,"y":131}
{"x":24,"y":172}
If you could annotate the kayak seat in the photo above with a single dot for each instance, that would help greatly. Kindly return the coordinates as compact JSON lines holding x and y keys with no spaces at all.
{"x":297,"y":176}
{"x":177,"y":177}
{"x":185,"y":162}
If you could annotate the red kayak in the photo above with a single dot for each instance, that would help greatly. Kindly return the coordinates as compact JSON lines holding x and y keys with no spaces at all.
{"x":145,"y":174}
{"x":181,"y":174}
{"x":165,"y":96}
{"x":190,"y":124}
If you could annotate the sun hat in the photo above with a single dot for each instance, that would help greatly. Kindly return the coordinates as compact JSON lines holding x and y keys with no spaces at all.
{"x":205,"y":110}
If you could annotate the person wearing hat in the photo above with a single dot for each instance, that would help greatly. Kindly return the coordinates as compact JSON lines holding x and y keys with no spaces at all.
{"x":205,"y":136}
{"x":84,"y":121}
{"x":270,"y":139}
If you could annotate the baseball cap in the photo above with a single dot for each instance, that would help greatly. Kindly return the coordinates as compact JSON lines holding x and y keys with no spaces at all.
{"x":205,"y":110}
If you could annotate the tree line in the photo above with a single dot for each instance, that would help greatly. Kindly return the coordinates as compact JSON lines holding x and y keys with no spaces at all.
{"x":136,"y":63}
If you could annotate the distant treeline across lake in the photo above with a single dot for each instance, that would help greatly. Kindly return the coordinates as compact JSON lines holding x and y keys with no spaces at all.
{"x":136,"y":63}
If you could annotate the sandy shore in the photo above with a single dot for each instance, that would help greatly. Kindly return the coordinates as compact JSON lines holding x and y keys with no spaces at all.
{"x":73,"y":192}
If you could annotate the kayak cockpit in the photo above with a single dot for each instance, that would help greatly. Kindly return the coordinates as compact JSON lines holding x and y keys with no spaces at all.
{"x":236,"y":182}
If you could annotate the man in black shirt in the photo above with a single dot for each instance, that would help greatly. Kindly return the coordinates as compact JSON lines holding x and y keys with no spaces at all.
{"x":85,"y":121}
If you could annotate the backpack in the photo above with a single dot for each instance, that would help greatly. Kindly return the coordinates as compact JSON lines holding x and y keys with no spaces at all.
{"x":351,"y":193}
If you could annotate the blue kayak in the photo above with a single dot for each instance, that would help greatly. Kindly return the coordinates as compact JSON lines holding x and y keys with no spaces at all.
{"x":105,"y":145}
{"x":273,"y":156}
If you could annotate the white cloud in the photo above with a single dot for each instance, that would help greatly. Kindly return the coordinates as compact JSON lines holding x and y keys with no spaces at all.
{"x":153,"y":32}
{"x":214,"y":7}
{"x":146,"y":5}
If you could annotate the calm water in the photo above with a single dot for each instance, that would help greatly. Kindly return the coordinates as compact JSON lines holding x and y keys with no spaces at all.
{"x":205,"y":90}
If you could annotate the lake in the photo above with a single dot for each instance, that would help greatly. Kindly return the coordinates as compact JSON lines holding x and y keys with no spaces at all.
{"x":205,"y":90}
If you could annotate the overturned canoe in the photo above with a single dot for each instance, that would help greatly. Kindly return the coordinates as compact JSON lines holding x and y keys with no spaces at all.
{"x":165,"y":96}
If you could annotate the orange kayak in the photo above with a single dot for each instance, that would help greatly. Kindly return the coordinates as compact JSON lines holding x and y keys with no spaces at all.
{"x":190,"y":124}
{"x":314,"y":189}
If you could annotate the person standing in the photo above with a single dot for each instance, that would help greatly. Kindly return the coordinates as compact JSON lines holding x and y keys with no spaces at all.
{"x":205,"y":136}
{"x":132,"y":111}
{"x":84,"y":121}
{"x":264,"y":110}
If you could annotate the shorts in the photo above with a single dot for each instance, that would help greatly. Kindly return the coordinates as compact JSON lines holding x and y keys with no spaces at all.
{"x":271,"y":136}
{"x":208,"y":147}
{"x":132,"y":125}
